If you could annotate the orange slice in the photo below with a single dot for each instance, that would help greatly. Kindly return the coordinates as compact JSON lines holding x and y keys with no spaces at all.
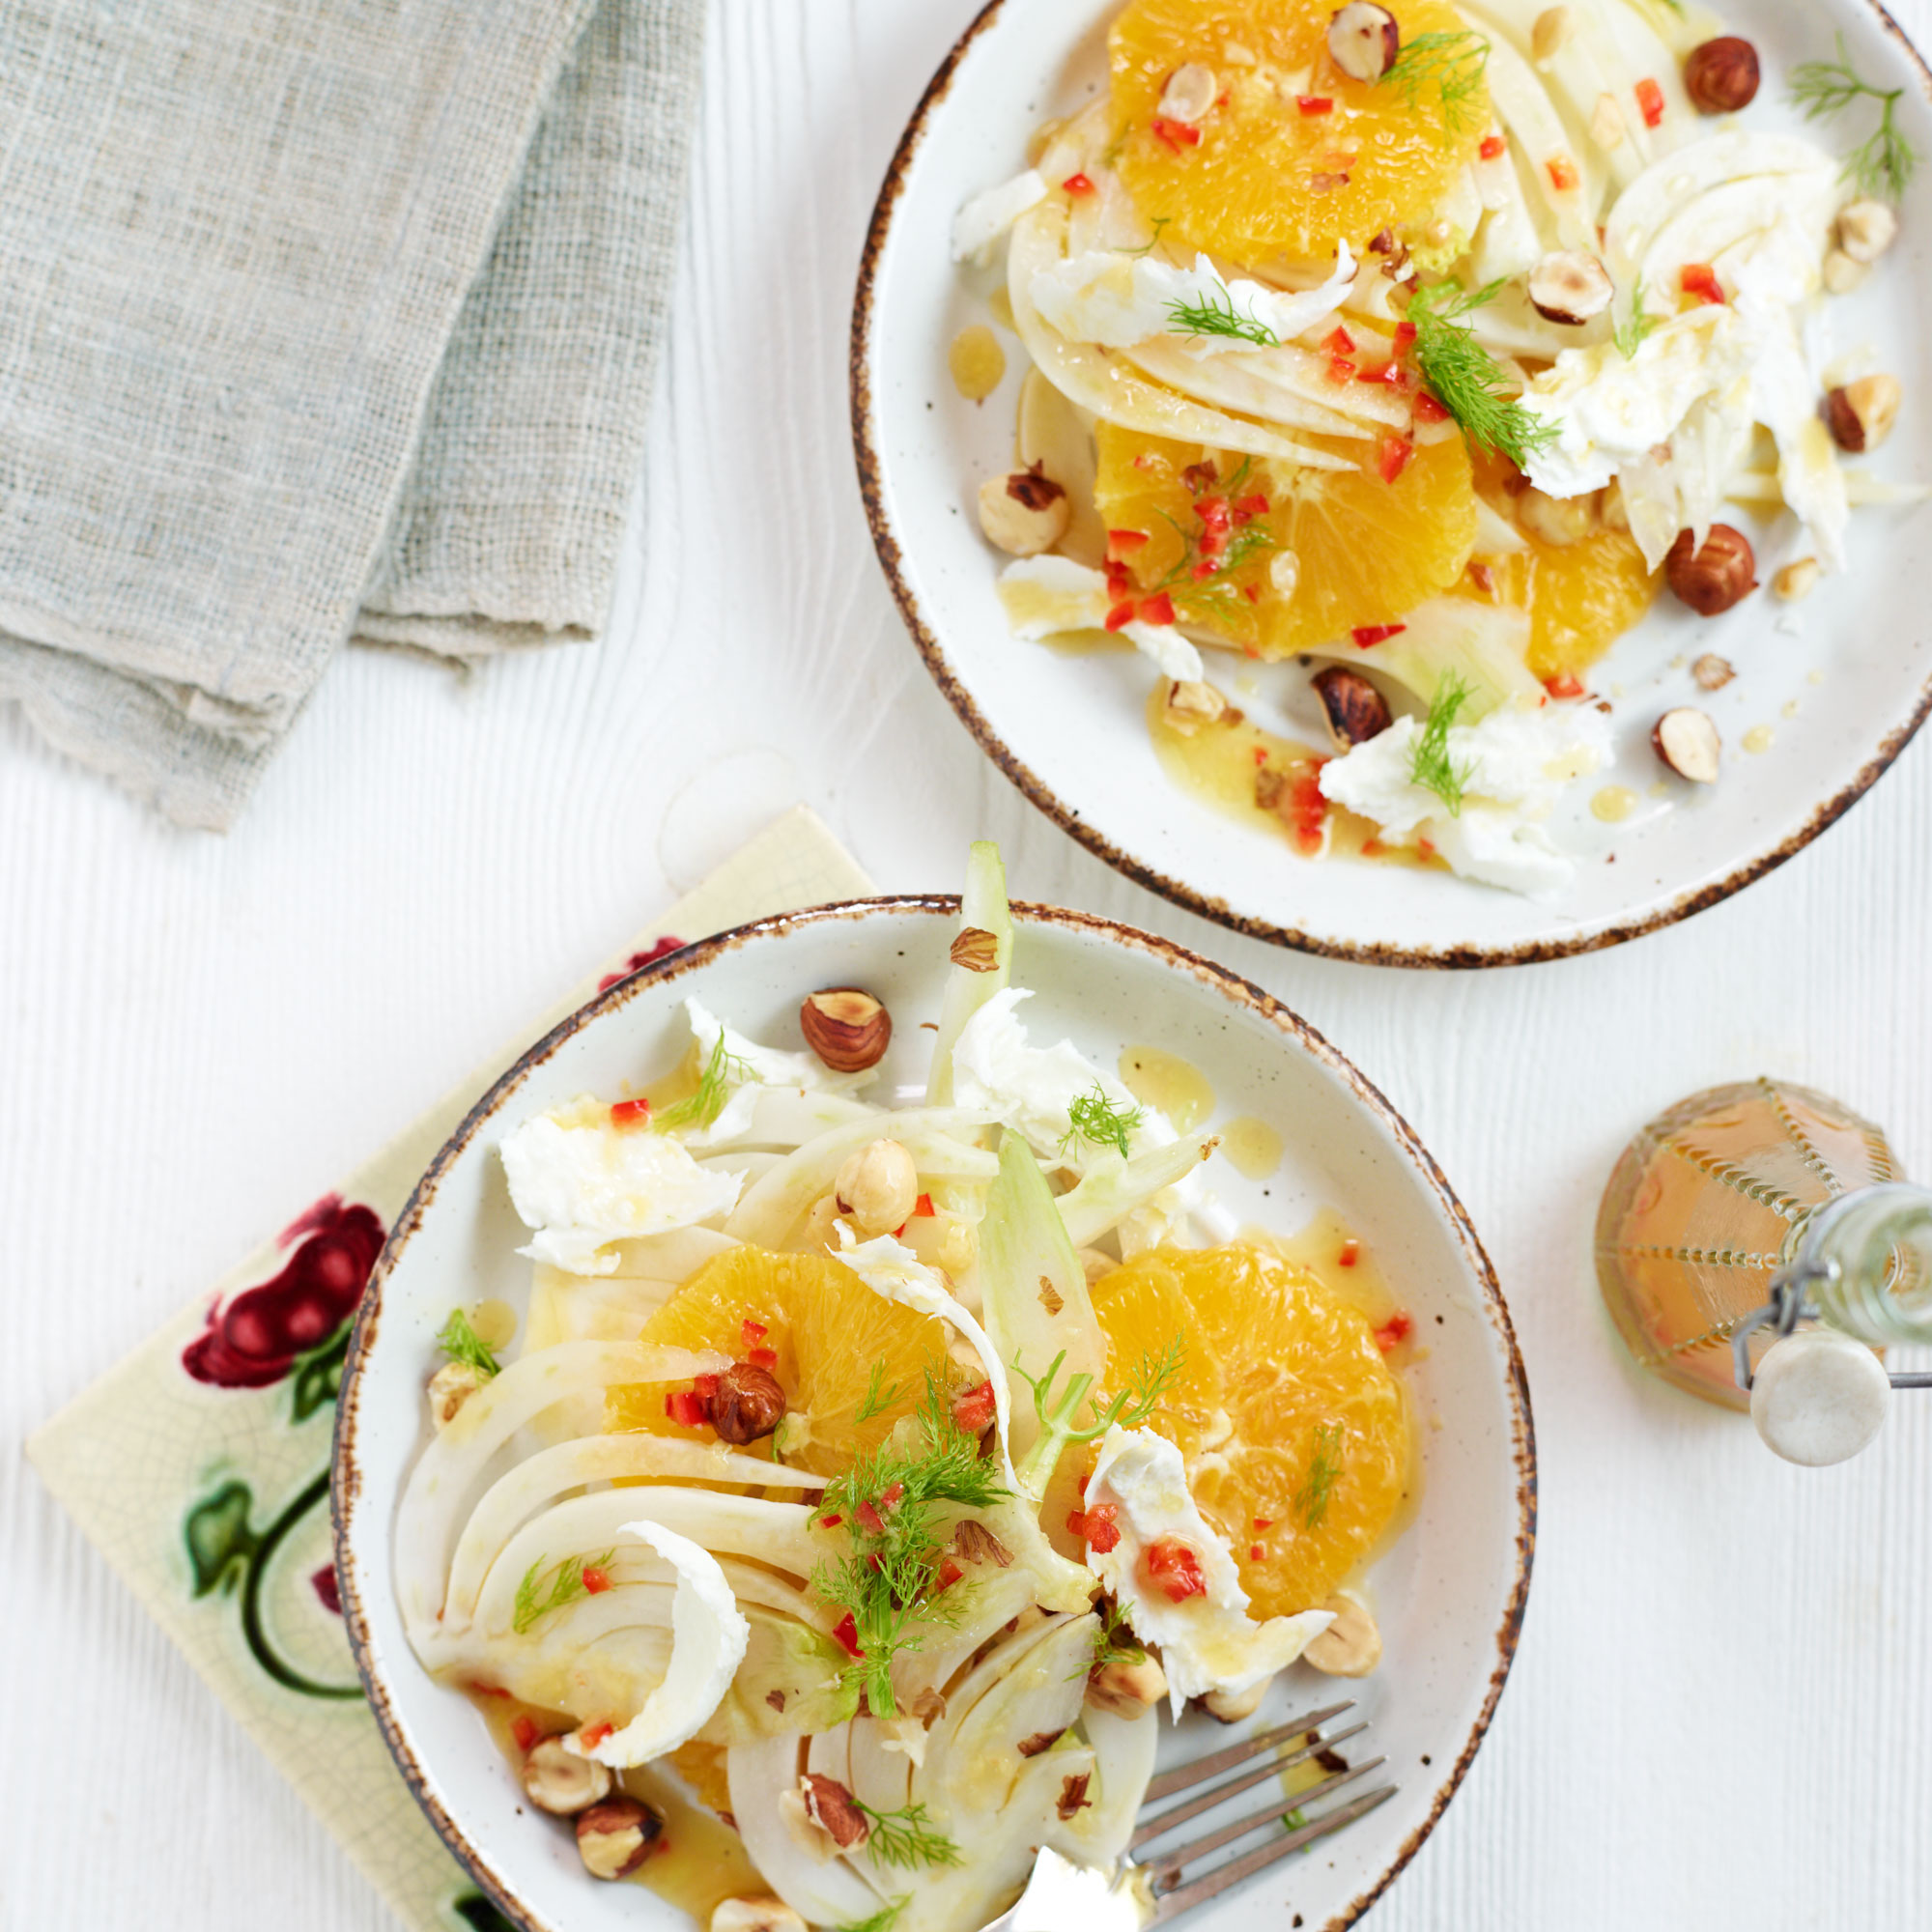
{"x":1365,"y":552}
{"x":826,"y":1332}
{"x":1270,"y":170}
{"x":1294,"y":1429}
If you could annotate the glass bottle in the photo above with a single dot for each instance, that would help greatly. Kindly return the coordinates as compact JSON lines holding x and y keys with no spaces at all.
{"x":1719,"y":1195}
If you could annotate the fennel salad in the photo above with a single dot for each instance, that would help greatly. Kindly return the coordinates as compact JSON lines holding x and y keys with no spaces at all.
{"x":871,"y":1483}
{"x":1419,"y":350}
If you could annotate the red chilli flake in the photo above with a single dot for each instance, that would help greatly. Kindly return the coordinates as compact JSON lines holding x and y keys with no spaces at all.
{"x":1157,"y":609}
{"x":1429,"y":410}
{"x":1368,"y":635}
{"x":1263,"y":1522}
{"x":894,"y":1495}
{"x":1395,"y":455}
{"x":1394,"y":1331}
{"x":950,"y":1573}
{"x":688,"y":1409}
{"x":1701,"y":279}
{"x":763,"y":1358}
{"x":1563,"y":174}
{"x":831,"y":1522}
{"x":1122,"y":544}
{"x":1562,"y":685}
{"x":845,"y":1633}
{"x":1339,"y":342}
{"x":1494,"y":148}
{"x":1172,"y":1568}
{"x":630,"y":1113}
{"x":1341,"y":369}
{"x":527,"y":1732}
{"x":924,"y":1208}
{"x":1177,"y":134}
{"x":1306,"y":807}
{"x":870,"y":1520}
{"x":1315,"y":103}
{"x":1261,"y":754}
{"x":1351,"y":1252}
{"x":1095,"y":1527}
{"x":1256,"y":1552}
{"x":1077,"y":184}
{"x":1120,"y":616}
{"x":1252,"y":506}
{"x":1404,"y":337}
{"x":1650,"y":98}
{"x":593,"y":1735}
{"x":753,"y":1331}
{"x":975,"y":1408}
{"x":595,"y":1580}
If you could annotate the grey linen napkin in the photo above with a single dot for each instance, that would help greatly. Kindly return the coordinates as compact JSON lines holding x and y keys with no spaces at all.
{"x":317,"y":318}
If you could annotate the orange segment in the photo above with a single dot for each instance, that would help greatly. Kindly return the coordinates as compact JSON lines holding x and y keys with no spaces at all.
{"x":827,"y":1329}
{"x":1580,"y":597}
{"x":1279,"y":1369}
{"x":1365,"y":552}
{"x":1267,"y":177}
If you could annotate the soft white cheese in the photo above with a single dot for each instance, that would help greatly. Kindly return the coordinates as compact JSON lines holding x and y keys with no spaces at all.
{"x":1207,"y":1642}
{"x":1062,"y":1896}
{"x":583,"y":1183}
{"x":987,"y":216}
{"x":1046,"y":595}
{"x":708,"y":1638}
{"x":1115,"y":301}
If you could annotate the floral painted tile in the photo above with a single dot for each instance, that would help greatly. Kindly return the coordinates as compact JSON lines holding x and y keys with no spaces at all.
{"x":199,"y":1467}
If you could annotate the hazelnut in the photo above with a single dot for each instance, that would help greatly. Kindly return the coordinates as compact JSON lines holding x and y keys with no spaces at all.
{"x":1229,"y":1707}
{"x":977,"y":1543}
{"x":1073,"y":1799}
{"x":1688,"y":742}
{"x":1842,"y":275}
{"x":1867,"y":229}
{"x":1797,"y":581}
{"x":1711,"y":580}
{"x":449,"y":1389}
{"x":877,"y":1188}
{"x":1351,"y":1646}
{"x":1861,"y":415}
{"x":830,"y":1806}
{"x":1711,"y":672}
{"x":1188,"y":95}
{"x":1357,"y":710}
{"x":1607,"y":124}
{"x":1721,"y":76}
{"x":755,"y":1915}
{"x":846,"y":1028}
{"x":1191,"y":704}
{"x":563,"y":1783}
{"x":802,"y":1829}
{"x":749,"y":1404}
{"x":1561,"y":521}
{"x":1554,"y":28}
{"x":976,"y":950}
{"x":1025,"y":512}
{"x":1040,"y":1741}
{"x":1285,"y":573}
{"x":616,"y":1838}
{"x":1363,"y":40}
{"x":1126,"y":1689}
{"x":1570,"y":287}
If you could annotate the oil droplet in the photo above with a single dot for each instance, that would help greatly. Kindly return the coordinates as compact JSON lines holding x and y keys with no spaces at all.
{"x":1169,"y":1084}
{"x":1660,"y":789}
{"x":1613,"y":804}
{"x":1252,"y":1146}
{"x":1002,"y":305}
{"x":1759,"y":738}
{"x":977,"y":361}
{"x":495,"y":1324}
{"x":1791,"y":708}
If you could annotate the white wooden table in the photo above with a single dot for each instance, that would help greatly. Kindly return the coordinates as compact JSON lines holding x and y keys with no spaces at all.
{"x":1720,"y":1713}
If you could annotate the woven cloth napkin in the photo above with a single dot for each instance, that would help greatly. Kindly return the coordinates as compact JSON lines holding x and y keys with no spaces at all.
{"x":200,"y":1467}
{"x":318,"y":318}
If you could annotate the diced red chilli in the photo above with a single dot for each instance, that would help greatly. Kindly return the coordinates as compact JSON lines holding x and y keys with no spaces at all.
{"x":1077,"y":184}
{"x":1177,"y":134}
{"x":1562,"y":685}
{"x":950,"y":1573}
{"x":1650,"y":98}
{"x":527,"y":1732}
{"x":763,"y":1358}
{"x":630,"y":1113}
{"x":830,"y":1521}
{"x":1388,"y":373}
{"x":593,"y":1735}
{"x":975,"y":1408}
{"x":753,"y":1331}
{"x":845,"y":1633}
{"x":1256,"y":1552}
{"x":1157,"y":609}
{"x":1368,"y":635}
{"x":1253,"y":506}
{"x":1263,"y":1522}
{"x":868,"y":1518}
{"x":1214,"y":512}
{"x":1394,"y":1331}
{"x":1252,"y":592}
{"x":688,"y":1409}
{"x":1120,"y":616}
{"x":1122,"y":544}
{"x":1315,"y":103}
{"x":894,"y":1495}
{"x":596,"y":1581}
{"x":924,"y":1208}
{"x":1404,"y":337}
{"x":1339,"y":342}
{"x":1174,"y":1569}
{"x":1341,"y":369}
{"x":1494,"y":148}
{"x":1394,"y":459}
{"x":1429,"y":410}
{"x":1351,"y":1252}
{"x":1096,"y":1525}
{"x":1701,"y":279}
{"x":1203,"y":571}
{"x":1563,"y":174}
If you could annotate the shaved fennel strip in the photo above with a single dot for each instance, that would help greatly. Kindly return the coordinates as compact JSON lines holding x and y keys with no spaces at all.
{"x":1238,"y":383}
{"x":760,"y":1774}
{"x":1109,"y":1195}
{"x":1123,"y":1757}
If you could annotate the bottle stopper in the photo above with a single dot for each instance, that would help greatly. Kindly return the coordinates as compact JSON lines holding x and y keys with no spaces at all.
{"x":1819,"y":1397}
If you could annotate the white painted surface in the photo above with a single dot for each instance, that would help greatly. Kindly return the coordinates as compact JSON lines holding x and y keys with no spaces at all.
{"x":1718,"y":1713}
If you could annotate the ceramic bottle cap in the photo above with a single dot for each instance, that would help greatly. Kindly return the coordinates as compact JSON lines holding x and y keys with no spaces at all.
{"x":1819,"y":1398}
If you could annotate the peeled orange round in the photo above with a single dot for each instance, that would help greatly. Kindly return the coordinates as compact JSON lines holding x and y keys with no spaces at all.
{"x":1580,"y":597}
{"x":1294,"y":1431}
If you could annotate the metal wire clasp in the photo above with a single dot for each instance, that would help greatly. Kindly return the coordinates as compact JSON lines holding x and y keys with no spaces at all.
{"x":1790,"y":1304}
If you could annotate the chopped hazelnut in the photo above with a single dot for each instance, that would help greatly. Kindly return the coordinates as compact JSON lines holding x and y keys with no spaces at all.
{"x":877,"y":1188}
{"x":1025,"y":512}
{"x":449,"y":1389}
{"x":1843,"y":274}
{"x":749,"y":1404}
{"x":828,"y":1805}
{"x":1571,"y":286}
{"x":1721,"y":75}
{"x":1861,"y":415}
{"x":1188,"y":95}
{"x":1713,"y":672}
{"x":1125,"y":1688}
{"x":755,"y":1915}
{"x":1073,"y":1797}
{"x":1561,"y":520}
{"x":563,"y":1783}
{"x":977,"y":1543}
{"x":1364,"y":40}
{"x":1554,"y":28}
{"x":1797,"y":581}
{"x":1351,"y":1646}
{"x":1688,"y":742}
{"x":616,"y":1838}
{"x":1867,"y":229}
{"x":976,"y":950}
{"x":1191,"y":704}
{"x":1356,"y":711}
{"x":1040,"y":1741}
{"x":1711,"y":580}
{"x":848,"y":1029}
{"x":1229,"y":1707}
{"x":1607,"y":126}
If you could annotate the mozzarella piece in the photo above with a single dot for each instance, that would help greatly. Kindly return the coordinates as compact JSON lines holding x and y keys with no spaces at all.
{"x":582,"y":1184}
{"x":987,"y":216}
{"x":1207,"y":1642}
{"x":708,"y":1638}
{"x":1046,"y":595}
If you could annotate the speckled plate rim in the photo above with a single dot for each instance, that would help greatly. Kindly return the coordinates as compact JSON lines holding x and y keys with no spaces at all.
{"x":344,"y":1479}
{"x":884,"y":539}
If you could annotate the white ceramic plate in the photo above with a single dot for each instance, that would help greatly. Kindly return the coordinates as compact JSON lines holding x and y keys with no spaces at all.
{"x":1451,"y":1591}
{"x":1842,"y":683}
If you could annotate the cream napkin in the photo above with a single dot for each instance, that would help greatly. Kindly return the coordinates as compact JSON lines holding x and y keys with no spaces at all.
{"x":315,"y":320}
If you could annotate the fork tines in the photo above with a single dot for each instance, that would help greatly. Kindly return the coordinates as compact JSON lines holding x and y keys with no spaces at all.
{"x":1173,"y":1891}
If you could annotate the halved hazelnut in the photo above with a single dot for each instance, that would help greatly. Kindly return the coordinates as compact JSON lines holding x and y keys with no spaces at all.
{"x":749,"y":1404}
{"x":847,"y":1028}
{"x":1024,"y":514}
{"x":616,"y":1838}
{"x":1561,"y":520}
{"x":1607,"y":126}
{"x":1554,"y":28}
{"x":1364,"y":40}
{"x":1688,"y":742}
{"x":1351,"y":1646}
{"x":563,"y":1783}
{"x":449,"y":1389}
{"x":830,"y":1806}
{"x":755,"y":1915}
{"x":1713,"y":672}
{"x":1867,"y":229}
{"x":1842,"y":275}
{"x":1191,"y":704}
{"x":1797,"y":581}
{"x":1711,"y":580}
{"x":1356,"y":711}
{"x":877,"y":1188}
{"x":1126,"y":1689}
{"x":1571,"y":286}
{"x":1861,"y":415}
{"x":976,"y":950}
{"x":1721,"y":76}
{"x":1188,"y":95}
{"x":1229,"y":1707}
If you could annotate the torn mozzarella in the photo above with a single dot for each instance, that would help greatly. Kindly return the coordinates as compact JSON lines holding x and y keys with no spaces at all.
{"x":987,"y":216}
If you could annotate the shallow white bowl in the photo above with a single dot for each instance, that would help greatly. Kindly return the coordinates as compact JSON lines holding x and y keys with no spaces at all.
{"x":1070,"y":730}
{"x":1451,"y":1591}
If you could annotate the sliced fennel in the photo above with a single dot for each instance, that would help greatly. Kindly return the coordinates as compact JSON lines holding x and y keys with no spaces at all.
{"x":982,"y":908}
